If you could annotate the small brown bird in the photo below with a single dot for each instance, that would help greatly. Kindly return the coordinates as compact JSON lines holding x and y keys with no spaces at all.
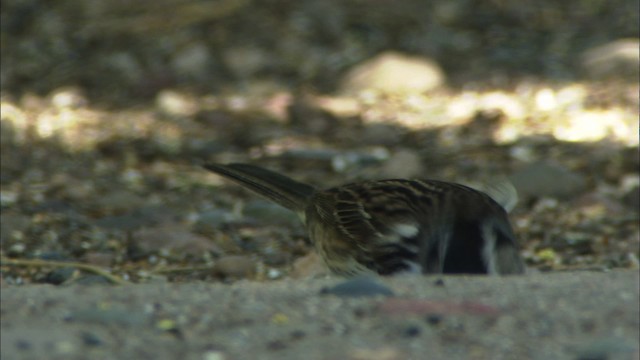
{"x":390,"y":226}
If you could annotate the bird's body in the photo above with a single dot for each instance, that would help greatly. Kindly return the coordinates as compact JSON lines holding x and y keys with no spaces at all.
{"x":390,"y":226}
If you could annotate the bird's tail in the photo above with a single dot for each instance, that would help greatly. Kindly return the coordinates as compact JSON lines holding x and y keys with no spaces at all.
{"x":501,"y":252}
{"x":285,"y":191}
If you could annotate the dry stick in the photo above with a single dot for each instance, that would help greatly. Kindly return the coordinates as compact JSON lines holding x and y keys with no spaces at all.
{"x":42,"y":263}
{"x":180,"y":269}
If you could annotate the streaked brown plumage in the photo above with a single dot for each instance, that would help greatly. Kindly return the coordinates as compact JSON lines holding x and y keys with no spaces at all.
{"x":389,"y":226}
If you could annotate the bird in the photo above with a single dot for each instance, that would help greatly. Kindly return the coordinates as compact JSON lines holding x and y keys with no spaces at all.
{"x":395,"y":225}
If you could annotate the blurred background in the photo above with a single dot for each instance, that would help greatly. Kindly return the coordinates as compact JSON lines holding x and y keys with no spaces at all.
{"x":108,"y":108}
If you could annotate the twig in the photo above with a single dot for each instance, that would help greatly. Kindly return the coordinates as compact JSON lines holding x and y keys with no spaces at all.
{"x":43,"y":263}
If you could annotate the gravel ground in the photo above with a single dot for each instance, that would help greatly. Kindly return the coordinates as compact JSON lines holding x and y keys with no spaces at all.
{"x":108,"y":110}
{"x":564,"y":315}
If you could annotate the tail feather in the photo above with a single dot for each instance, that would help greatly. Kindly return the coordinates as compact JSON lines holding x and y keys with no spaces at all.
{"x":500,"y":250}
{"x":287,"y":192}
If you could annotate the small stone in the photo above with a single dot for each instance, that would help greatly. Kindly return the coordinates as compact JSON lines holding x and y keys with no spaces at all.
{"x":297,"y":334}
{"x":60,"y":275}
{"x":126,"y":222}
{"x":91,"y":339}
{"x":246,"y":61}
{"x":209,"y":222}
{"x":632,"y":198}
{"x":618,"y":59}
{"x":65,"y":98}
{"x":235,"y":266}
{"x":118,"y":201}
{"x":392,"y":72}
{"x":310,"y":265}
{"x":173,"y":238}
{"x":193,"y":62}
{"x":92,"y":280}
{"x":8,"y":198}
{"x":177,"y":104}
{"x":411,"y":331}
{"x":23,"y":345}
{"x":213,"y":355}
{"x":404,"y":164}
{"x":545,"y":179}
{"x":434,"y":319}
{"x":605,"y":349}
{"x":12,"y":227}
{"x":385,"y":353}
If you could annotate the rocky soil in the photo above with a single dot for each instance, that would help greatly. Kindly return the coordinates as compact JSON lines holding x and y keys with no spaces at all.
{"x":109,"y":109}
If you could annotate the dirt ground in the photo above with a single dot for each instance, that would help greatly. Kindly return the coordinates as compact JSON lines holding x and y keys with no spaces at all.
{"x":109,"y":109}
{"x":569,"y":315}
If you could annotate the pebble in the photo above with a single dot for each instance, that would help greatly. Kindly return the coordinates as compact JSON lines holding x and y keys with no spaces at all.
{"x":211,"y":221}
{"x":173,"y":238}
{"x":118,"y":201}
{"x":632,"y":198}
{"x":176,"y":104}
{"x":60,"y":275}
{"x":394,"y":72}
{"x":546,"y":179}
{"x":91,"y":339}
{"x":92,"y":280}
{"x":619,"y":59}
{"x":193,"y":62}
{"x":405,"y":164}
{"x":606,"y":349}
{"x":234,"y":266}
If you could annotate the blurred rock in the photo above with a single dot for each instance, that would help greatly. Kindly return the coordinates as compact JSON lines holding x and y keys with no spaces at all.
{"x":618,"y":59}
{"x":192,"y":62}
{"x":392,"y":72}
{"x":60,"y":275}
{"x":384,"y":353}
{"x":380,"y":134}
{"x":91,"y":280}
{"x":632,"y":198}
{"x":305,"y":115}
{"x":545,"y":179}
{"x":118,"y":201}
{"x":176,"y":103}
{"x":68,"y":98}
{"x":606,"y":349}
{"x":12,"y":225}
{"x":246,"y":61}
{"x":172,"y":238}
{"x":358,"y":287}
{"x":209,"y":222}
{"x":405,"y":164}
{"x":347,"y":161}
{"x":234,"y":267}
{"x":126,"y":222}
{"x":310,"y":265}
